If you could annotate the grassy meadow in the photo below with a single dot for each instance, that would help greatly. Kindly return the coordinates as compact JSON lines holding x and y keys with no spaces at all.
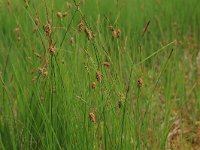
{"x":99,"y":74}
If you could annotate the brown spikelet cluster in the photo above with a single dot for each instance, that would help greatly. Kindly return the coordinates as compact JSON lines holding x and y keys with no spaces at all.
{"x":26,"y":3}
{"x":92,"y":117}
{"x":99,"y":76}
{"x":43,"y":71}
{"x":140,"y":83}
{"x":93,"y":85}
{"x":37,"y":21}
{"x":52,"y":49}
{"x":81,"y":26}
{"x":61,"y":15}
{"x":122,"y":96}
{"x":47,"y":29}
{"x":69,"y":6}
{"x":35,"y":30}
{"x":37,"y":55}
{"x":106,"y":64}
{"x":65,"y":14}
{"x":116,"y":32}
{"x":89,"y":33}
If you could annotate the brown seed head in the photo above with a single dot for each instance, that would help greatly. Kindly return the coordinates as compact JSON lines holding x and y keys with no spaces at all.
{"x":81,"y":26}
{"x":118,"y":32}
{"x":52,"y":49}
{"x":34,"y":79}
{"x":19,"y":38}
{"x":37,"y":21}
{"x":59,"y":14}
{"x":111,"y":28}
{"x":65,"y":14}
{"x":140,"y":83}
{"x":37,"y":55}
{"x":89,"y":33}
{"x":93,"y":85}
{"x":43,"y":71}
{"x":106,"y":64}
{"x":47,"y":29}
{"x":27,"y":3}
{"x":122,"y":96}
{"x":69,"y":6}
{"x":17,"y":30}
{"x":114,"y":33}
{"x":99,"y":76}
{"x":92,"y":117}
{"x":35,"y":29}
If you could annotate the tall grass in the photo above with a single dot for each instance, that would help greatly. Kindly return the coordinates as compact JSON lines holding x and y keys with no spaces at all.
{"x":99,"y":74}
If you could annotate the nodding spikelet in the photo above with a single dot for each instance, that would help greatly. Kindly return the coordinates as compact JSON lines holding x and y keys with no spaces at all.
{"x":43,"y":71}
{"x":35,"y":30}
{"x":26,"y":3}
{"x":18,"y":38}
{"x":116,"y":33}
{"x":37,"y":55}
{"x":81,"y":26}
{"x":52,"y":49}
{"x":59,"y":14}
{"x":47,"y":29}
{"x":106,"y":64}
{"x":99,"y":76}
{"x":37,"y":21}
{"x":69,"y":6}
{"x":140,"y":83}
{"x":111,"y":27}
{"x":89,"y":33}
{"x":93,"y":85}
{"x":65,"y":14}
{"x":17,"y":30}
{"x":92,"y":117}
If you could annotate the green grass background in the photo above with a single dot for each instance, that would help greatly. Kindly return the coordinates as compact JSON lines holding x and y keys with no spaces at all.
{"x":53,"y":112}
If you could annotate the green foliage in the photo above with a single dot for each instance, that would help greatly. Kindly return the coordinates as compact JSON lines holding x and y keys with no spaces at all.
{"x":120,"y":83}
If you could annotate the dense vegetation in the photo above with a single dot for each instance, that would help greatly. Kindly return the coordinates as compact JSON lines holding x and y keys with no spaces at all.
{"x":100,"y":74}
